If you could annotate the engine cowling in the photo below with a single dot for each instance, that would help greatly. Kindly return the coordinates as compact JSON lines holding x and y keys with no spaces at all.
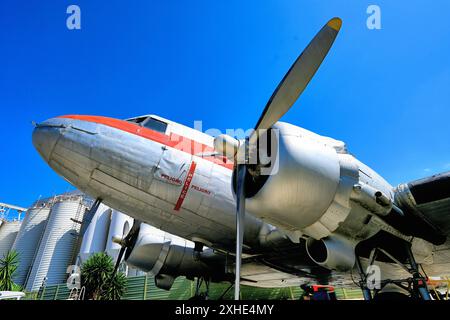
{"x":167,"y":256}
{"x":300,"y":189}
{"x":332,"y":252}
{"x":318,"y":190}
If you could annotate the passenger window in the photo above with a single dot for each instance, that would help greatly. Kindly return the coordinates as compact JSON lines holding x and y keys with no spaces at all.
{"x":156,"y":125}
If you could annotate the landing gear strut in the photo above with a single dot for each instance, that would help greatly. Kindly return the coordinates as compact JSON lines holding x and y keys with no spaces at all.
{"x":201,"y":295}
{"x":89,"y":215}
{"x":416,"y":285}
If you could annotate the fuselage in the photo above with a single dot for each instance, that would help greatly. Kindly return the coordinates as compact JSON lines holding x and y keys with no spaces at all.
{"x":162,"y":173}
{"x":153,"y":176}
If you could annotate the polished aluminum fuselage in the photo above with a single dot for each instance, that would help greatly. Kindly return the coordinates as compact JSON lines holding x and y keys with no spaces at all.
{"x":144,"y":179}
{"x":147,"y":180}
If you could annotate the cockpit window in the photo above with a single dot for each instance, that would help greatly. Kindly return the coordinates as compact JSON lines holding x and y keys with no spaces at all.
{"x":138,"y":120}
{"x":156,"y":125}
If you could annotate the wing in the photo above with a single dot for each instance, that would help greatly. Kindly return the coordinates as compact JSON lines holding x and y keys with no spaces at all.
{"x":428,"y":199}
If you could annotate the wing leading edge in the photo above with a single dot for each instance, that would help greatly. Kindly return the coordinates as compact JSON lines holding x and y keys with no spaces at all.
{"x":427,"y":200}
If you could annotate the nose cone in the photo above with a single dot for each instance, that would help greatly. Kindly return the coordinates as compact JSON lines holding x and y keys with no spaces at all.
{"x":44,"y":140}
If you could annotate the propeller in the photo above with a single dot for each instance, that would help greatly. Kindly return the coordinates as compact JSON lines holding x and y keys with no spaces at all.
{"x":284,"y":96}
{"x":241,"y":169}
{"x":126,"y":243}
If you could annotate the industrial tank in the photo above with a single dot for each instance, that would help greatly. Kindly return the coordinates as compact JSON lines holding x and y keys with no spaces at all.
{"x":56,"y":250}
{"x":95,"y":237}
{"x":29,"y":237}
{"x":119,"y":227}
{"x":8,"y":233}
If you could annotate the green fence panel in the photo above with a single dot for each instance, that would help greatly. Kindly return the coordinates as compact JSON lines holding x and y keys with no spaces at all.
{"x":135,"y":288}
{"x":144,"y":288}
{"x":63,"y":292}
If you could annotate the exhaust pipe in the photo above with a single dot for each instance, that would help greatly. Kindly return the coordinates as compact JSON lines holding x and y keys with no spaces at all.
{"x":333,"y":252}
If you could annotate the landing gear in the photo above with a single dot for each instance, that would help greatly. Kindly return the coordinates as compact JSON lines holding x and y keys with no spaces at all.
{"x":198,"y":249}
{"x":226,"y":291}
{"x":89,"y":215}
{"x":198,"y":294}
{"x":414,"y":287}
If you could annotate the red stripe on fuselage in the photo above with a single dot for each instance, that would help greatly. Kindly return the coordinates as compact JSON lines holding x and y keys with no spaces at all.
{"x":187,"y":183}
{"x":174,"y":140}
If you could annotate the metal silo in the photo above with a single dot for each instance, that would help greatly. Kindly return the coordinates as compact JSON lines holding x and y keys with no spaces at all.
{"x":119,"y":227}
{"x":56,"y":250}
{"x":29,"y":237}
{"x":95,"y":237}
{"x":8,"y":233}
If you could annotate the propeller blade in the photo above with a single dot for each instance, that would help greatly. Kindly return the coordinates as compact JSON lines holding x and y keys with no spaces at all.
{"x":299,"y":75}
{"x":285,"y":95}
{"x":240,"y":216}
{"x":134,"y":230}
{"x":119,"y":259}
{"x":126,"y":242}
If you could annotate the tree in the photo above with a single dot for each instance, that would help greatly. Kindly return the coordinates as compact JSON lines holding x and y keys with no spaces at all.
{"x":8,"y":268}
{"x":98,"y":279}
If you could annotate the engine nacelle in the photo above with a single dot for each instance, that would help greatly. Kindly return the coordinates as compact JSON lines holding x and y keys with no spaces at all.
{"x":167,"y":256}
{"x":319,"y":189}
{"x":334,"y":252}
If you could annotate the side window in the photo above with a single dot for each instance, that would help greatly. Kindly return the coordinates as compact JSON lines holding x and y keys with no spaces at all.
{"x":156,"y":125}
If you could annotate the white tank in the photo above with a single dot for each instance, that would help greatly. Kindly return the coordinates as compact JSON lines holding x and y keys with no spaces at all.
{"x":57,"y":246}
{"x":119,"y":227}
{"x":95,"y":237}
{"x":28,"y":239}
{"x":8,"y":233}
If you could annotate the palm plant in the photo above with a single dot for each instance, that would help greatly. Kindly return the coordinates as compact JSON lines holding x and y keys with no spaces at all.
{"x":8,"y":268}
{"x":99,"y":279}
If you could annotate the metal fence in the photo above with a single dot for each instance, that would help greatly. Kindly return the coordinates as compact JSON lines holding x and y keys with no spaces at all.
{"x":143,"y":288}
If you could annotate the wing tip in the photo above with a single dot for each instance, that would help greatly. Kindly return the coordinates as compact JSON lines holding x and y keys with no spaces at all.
{"x":335,"y":23}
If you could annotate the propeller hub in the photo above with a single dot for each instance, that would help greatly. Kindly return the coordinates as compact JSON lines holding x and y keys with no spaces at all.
{"x":118,"y":240}
{"x":226,"y":145}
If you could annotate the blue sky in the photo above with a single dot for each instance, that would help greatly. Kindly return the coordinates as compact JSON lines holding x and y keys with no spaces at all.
{"x":385,"y":92}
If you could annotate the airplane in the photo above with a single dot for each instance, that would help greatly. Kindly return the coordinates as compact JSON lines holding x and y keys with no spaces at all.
{"x":312,"y":213}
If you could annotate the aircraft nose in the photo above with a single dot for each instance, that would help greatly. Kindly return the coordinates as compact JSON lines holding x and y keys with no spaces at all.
{"x":45,"y":139}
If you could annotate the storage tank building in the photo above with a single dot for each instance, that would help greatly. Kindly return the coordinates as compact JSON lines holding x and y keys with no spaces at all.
{"x":29,"y":237}
{"x":95,"y":237}
{"x":56,"y":250}
{"x":8,"y":233}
